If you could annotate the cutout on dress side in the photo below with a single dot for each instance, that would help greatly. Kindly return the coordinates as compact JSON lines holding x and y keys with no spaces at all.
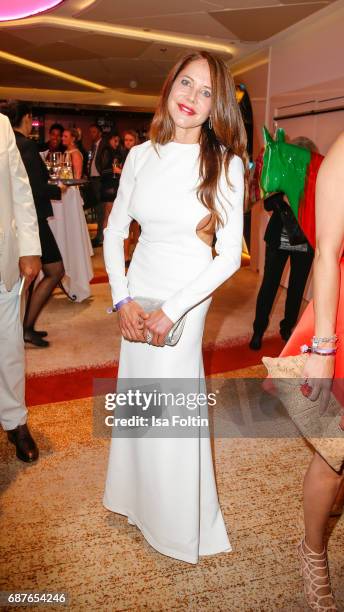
{"x":205,"y":229}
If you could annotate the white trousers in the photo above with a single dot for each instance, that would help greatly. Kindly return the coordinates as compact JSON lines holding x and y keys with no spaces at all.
{"x":13,"y":411}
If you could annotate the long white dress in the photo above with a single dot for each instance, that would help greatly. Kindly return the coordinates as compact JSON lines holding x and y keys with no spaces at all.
{"x":71,"y":234}
{"x":166,"y":486}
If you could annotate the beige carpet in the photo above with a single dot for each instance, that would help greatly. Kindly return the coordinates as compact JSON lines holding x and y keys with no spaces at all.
{"x":56,"y":534}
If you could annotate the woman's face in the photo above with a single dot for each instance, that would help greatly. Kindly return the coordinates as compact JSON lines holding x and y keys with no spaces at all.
{"x":129,"y":141}
{"x":114,"y":142}
{"x":189,"y":102}
{"x":67,"y":138}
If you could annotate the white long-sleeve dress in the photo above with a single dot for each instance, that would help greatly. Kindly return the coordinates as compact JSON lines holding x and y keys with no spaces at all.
{"x":166,"y":485}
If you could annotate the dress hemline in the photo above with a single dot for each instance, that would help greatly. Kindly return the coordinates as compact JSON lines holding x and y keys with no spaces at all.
{"x":164,"y":550}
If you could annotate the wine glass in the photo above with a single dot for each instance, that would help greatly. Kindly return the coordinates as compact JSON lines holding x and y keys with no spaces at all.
{"x":56,"y":162}
{"x":115,"y":164}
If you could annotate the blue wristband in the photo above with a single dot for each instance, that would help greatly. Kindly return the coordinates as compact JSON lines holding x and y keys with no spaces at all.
{"x":124,"y":301}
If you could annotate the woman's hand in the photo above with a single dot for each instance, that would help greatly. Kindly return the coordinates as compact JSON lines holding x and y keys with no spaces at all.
{"x":131,"y":317}
{"x":159,"y":325}
{"x":62,"y":186}
{"x":319,"y":372}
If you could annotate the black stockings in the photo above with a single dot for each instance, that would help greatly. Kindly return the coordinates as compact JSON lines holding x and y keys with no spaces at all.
{"x":38,"y":296}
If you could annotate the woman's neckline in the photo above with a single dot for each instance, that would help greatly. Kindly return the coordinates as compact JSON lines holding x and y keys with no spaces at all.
{"x":184,"y":144}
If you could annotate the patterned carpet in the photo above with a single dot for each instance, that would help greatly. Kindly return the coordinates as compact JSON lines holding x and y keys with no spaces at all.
{"x":57,"y":535}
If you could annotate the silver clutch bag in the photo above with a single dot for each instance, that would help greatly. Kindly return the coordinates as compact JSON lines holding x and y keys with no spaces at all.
{"x":150,"y":304}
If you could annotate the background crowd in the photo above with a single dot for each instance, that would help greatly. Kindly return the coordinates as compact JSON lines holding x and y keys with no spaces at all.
{"x":102,"y":164}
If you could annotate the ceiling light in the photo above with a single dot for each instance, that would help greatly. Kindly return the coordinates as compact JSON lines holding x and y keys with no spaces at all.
{"x":51,"y":71}
{"x":100,"y":27}
{"x":17,"y":9}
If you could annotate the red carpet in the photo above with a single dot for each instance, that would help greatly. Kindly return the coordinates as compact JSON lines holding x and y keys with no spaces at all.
{"x":76,"y":384}
{"x":102,"y":278}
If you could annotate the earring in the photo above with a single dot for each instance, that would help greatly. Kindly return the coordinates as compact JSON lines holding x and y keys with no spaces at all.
{"x":210,"y":123}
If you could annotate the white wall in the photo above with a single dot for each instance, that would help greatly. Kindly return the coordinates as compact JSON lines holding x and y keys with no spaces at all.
{"x":305,"y":72}
{"x":309,"y":53}
{"x":323,"y":129}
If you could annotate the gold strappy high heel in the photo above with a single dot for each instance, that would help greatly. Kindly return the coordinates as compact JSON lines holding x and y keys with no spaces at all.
{"x":316,"y":579}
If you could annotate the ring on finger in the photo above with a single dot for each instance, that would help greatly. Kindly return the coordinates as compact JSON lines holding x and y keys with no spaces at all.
{"x":306,"y":389}
{"x":149,"y":337}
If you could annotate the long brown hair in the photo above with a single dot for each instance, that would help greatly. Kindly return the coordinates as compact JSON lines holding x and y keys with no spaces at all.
{"x":218,"y":144}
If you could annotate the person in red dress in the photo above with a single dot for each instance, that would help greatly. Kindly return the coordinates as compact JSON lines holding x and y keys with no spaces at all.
{"x":323,"y":320}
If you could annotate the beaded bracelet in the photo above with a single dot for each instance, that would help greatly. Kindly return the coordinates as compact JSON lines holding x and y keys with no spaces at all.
{"x":325,"y":352}
{"x":316,"y":340}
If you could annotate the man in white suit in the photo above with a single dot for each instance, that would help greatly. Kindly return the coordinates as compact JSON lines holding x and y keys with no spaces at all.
{"x":20,"y":252}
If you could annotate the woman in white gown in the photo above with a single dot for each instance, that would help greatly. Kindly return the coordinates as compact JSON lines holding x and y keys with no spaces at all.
{"x":183,"y":184}
{"x":70,"y":229}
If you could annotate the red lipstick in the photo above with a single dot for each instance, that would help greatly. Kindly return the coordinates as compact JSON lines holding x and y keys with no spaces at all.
{"x":186,"y":109}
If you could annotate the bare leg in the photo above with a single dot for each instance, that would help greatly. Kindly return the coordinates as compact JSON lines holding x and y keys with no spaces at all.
{"x":321,"y":486}
{"x":320,"y":489}
{"x":339,"y":501}
{"x":53,"y":273}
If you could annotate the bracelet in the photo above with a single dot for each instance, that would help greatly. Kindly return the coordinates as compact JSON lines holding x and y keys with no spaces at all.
{"x":325,"y":352}
{"x":124,"y":301}
{"x":316,"y":340}
{"x":117,"y":306}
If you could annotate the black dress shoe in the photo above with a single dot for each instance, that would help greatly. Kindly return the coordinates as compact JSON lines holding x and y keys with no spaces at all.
{"x":26,"y":448}
{"x":256,"y":342}
{"x":32,"y":337}
{"x":42,"y":334}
